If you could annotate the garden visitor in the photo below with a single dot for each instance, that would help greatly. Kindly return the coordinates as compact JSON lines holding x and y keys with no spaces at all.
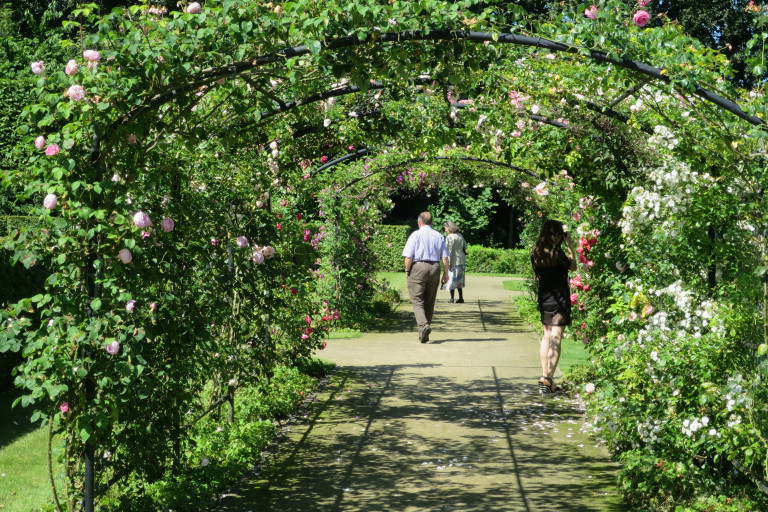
{"x":424,"y":251}
{"x":551,"y":266}
{"x":457,"y":257}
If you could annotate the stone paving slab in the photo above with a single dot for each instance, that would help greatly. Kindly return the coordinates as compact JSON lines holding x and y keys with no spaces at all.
{"x":452,"y":425}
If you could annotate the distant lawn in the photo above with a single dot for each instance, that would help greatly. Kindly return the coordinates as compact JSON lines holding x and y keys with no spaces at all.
{"x":515,"y":285}
{"x":24,"y":481}
{"x":338,"y":334}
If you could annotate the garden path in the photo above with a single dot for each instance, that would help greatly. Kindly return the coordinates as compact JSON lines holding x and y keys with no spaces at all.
{"x":452,"y":425}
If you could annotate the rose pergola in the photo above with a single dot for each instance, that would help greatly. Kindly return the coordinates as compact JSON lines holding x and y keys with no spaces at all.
{"x":209,"y":180}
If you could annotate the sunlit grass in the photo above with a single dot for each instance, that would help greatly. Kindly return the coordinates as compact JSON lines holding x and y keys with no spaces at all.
{"x":337,"y":334}
{"x":24,"y":482}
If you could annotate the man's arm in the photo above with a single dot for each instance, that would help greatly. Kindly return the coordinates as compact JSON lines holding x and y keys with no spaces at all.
{"x":446,"y":269}
{"x":408,"y":265}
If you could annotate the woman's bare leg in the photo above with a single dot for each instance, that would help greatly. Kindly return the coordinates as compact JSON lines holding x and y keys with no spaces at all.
{"x":549,"y":352}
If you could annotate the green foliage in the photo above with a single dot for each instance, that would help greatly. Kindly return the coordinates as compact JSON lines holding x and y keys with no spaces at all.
{"x":387,"y":246}
{"x":498,"y":261}
{"x":471,"y":210}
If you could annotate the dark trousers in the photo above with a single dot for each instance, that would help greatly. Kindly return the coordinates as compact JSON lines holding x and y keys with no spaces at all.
{"x":423,"y":284}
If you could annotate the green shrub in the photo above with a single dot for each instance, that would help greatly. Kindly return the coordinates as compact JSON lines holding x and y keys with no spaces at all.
{"x":16,"y":282}
{"x":388,"y":247}
{"x":498,"y":261}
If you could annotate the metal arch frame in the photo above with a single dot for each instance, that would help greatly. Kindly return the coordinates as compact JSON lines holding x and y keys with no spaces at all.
{"x":364,"y":151}
{"x":235,"y":69}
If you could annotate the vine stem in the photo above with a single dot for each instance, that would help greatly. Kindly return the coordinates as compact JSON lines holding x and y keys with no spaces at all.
{"x":50,"y":465}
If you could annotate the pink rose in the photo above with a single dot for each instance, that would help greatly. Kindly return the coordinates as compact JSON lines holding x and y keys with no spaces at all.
{"x":130,"y":305}
{"x":50,"y":201}
{"x":590,"y":388}
{"x":268,"y":252}
{"x":141,"y":220}
{"x":132,"y":139}
{"x":242,"y":242}
{"x":574,"y":298}
{"x":351,"y":148}
{"x":75,"y":92}
{"x":323,"y":345}
{"x":167,"y":224}
{"x":305,"y":336}
{"x":125,"y":256}
{"x":52,"y":150}
{"x":64,"y":407}
{"x":641,"y":18}
{"x":37,"y":67}
{"x":91,"y":55}
{"x":40,"y":142}
{"x":213,"y":242}
{"x":323,"y":159}
{"x":194,"y":8}
{"x":257,"y":258}
{"x":71,"y":68}
{"x":643,"y":3}
{"x":591,"y":13}
{"x":278,"y":226}
{"x":294,"y":291}
{"x":153,"y":305}
{"x":112,"y":348}
{"x":307,"y":235}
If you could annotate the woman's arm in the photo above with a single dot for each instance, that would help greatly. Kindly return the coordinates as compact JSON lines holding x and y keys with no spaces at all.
{"x":571,"y":252}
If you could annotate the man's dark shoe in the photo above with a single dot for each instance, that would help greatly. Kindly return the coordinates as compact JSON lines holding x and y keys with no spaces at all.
{"x":460,"y":301}
{"x":424,"y":334}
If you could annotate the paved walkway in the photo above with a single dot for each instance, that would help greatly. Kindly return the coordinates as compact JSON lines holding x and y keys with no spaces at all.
{"x":453,"y":425}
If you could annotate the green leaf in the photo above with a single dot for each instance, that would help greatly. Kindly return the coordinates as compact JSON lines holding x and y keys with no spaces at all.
{"x":96,"y":304}
{"x":314,"y":46}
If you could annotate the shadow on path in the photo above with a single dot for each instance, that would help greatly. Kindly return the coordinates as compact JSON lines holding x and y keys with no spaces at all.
{"x":453,"y":425}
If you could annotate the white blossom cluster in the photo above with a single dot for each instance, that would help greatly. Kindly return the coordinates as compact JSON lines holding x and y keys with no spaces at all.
{"x":735,"y":397}
{"x":690,"y":427}
{"x":667,"y":195}
{"x":650,"y":431}
{"x":692,"y":318}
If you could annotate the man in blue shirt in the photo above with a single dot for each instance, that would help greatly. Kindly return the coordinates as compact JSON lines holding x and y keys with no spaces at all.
{"x":424,"y":252}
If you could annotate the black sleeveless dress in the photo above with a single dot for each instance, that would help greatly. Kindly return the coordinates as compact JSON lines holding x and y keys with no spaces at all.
{"x":554,"y":292}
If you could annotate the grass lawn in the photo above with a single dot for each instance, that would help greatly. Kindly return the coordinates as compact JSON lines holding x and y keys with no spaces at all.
{"x":24,"y":482}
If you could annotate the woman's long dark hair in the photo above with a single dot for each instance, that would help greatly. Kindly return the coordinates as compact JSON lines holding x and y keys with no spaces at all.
{"x":547,"y":250}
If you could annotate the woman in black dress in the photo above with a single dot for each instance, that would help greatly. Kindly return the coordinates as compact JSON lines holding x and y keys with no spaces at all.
{"x":551,"y":265}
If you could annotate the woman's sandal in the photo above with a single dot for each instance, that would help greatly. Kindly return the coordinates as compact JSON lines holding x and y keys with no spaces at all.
{"x":547,"y":386}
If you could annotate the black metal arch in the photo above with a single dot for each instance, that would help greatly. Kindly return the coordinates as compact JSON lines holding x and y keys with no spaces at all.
{"x":364,"y":151}
{"x":234,"y":69}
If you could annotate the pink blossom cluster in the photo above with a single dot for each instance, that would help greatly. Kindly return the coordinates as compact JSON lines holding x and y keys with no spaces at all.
{"x":37,"y":67}
{"x":49,"y":202}
{"x":591,"y":13}
{"x":641,"y":18}
{"x":75,"y":92}
{"x":586,"y":243}
{"x":262,"y":253}
{"x":516,"y":99}
{"x":92,"y":57}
